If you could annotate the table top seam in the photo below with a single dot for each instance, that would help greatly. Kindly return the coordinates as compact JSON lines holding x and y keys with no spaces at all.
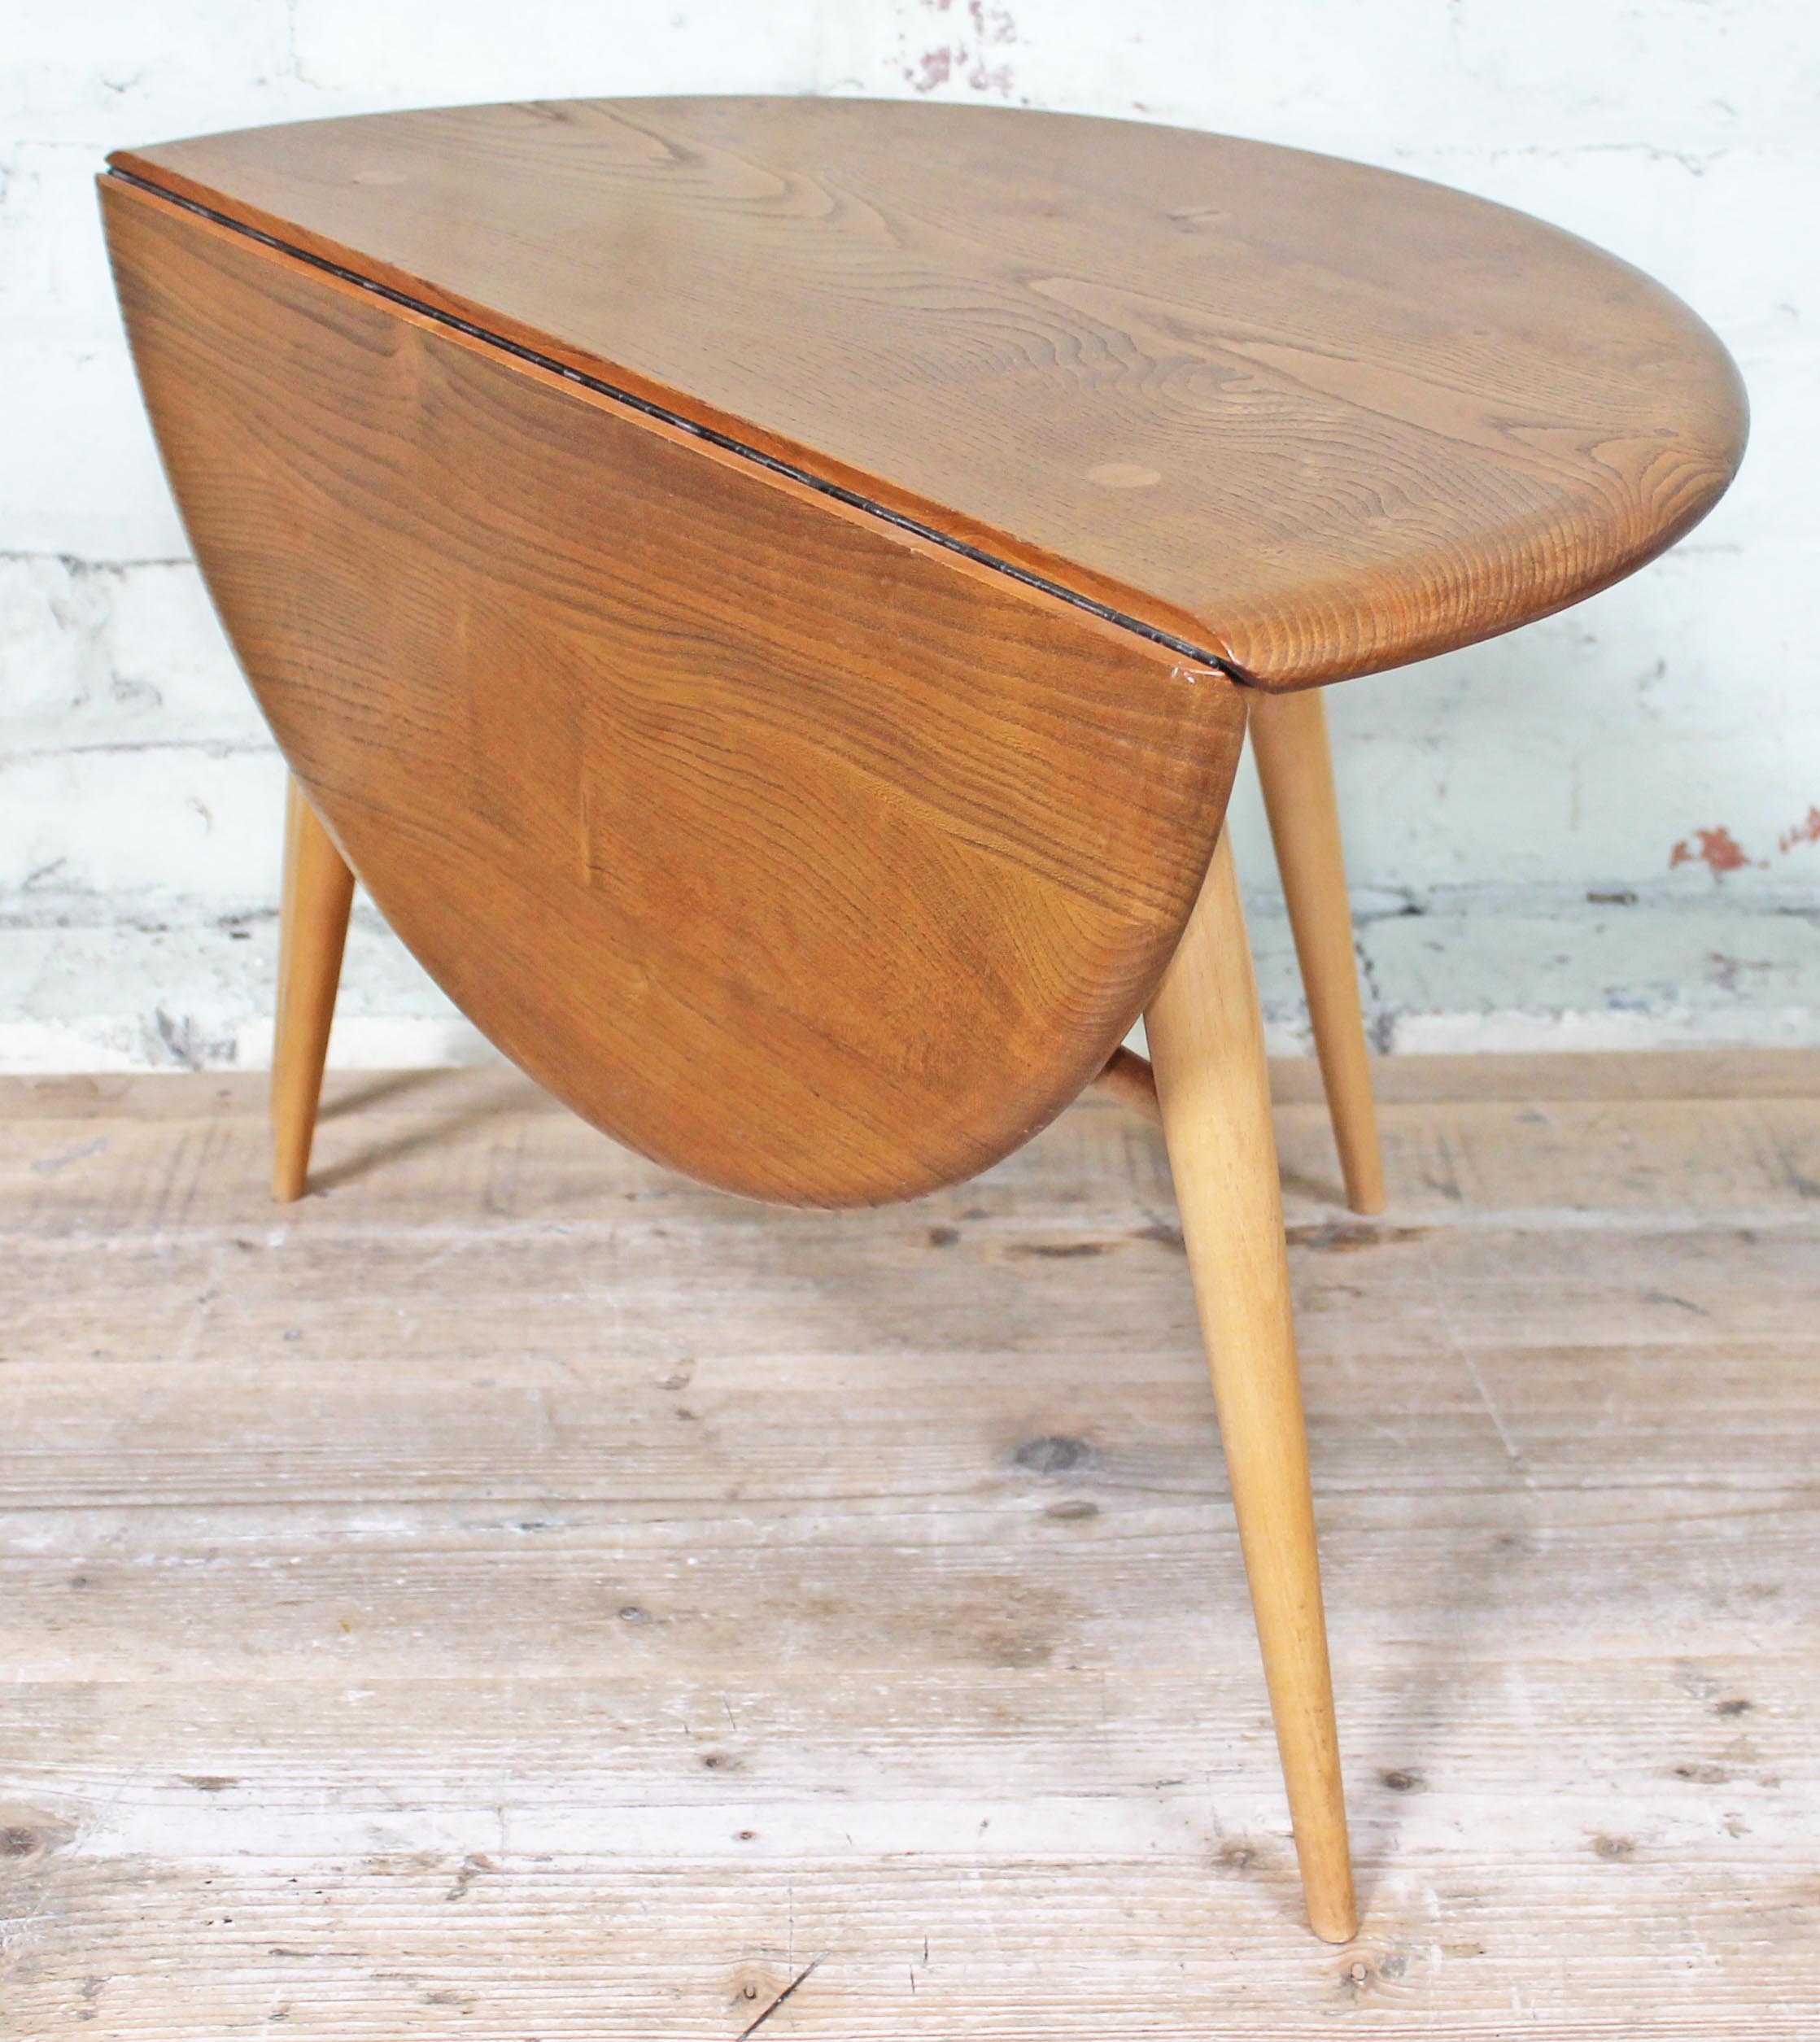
{"x":727,"y":443}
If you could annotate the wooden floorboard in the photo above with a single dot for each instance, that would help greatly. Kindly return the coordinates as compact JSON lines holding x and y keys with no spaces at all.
{"x":517,"y":1594}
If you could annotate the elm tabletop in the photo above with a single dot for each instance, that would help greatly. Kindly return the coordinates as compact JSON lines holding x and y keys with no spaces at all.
{"x":768,"y":594}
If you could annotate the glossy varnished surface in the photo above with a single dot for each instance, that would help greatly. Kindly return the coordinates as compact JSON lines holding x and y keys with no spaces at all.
{"x":803,"y":856}
{"x":1314,"y":417}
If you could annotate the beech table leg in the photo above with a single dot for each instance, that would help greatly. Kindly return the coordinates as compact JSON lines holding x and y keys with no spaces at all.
{"x":313,"y":932}
{"x":1295,"y":766}
{"x":1206,"y":1043}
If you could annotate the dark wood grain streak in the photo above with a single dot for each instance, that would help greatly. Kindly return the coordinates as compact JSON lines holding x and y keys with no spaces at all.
{"x":1320,"y":418}
{"x":801,"y":855}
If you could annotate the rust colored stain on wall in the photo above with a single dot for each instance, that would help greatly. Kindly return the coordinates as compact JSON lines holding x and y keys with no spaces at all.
{"x":1806,"y":831}
{"x":1718,"y":848}
{"x":965,"y":59}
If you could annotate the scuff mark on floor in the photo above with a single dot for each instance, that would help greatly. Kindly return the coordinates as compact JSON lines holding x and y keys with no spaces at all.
{"x":807,"y":1971}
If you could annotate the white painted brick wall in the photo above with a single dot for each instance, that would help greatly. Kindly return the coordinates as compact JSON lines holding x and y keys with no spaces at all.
{"x":135,"y":785}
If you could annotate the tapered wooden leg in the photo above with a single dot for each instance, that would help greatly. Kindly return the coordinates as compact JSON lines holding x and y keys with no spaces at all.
{"x":1289,"y":740}
{"x":1206,"y":1043}
{"x":313,"y":932}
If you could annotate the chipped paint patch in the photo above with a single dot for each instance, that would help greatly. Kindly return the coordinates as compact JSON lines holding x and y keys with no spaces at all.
{"x":968,"y":58}
{"x":1720,"y":852}
{"x":1806,"y":831}
{"x":1717,"y":849}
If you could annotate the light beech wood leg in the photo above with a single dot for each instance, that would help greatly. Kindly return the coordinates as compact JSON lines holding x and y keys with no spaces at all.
{"x":313,"y":932}
{"x":1206,"y":1044}
{"x":1295,"y":766}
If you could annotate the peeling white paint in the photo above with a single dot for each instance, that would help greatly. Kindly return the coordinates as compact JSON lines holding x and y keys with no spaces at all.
{"x":84,"y":987}
{"x":1663,"y":739}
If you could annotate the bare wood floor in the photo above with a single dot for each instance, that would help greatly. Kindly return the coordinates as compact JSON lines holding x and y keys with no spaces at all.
{"x":515,"y":1595}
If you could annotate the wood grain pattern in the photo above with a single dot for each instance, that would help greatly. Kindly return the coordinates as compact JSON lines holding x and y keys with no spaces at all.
{"x":521,"y":1592}
{"x":1317,"y":417}
{"x":801,"y":854}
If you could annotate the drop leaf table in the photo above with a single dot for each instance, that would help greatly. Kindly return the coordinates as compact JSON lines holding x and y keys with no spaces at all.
{"x":767,"y":595}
